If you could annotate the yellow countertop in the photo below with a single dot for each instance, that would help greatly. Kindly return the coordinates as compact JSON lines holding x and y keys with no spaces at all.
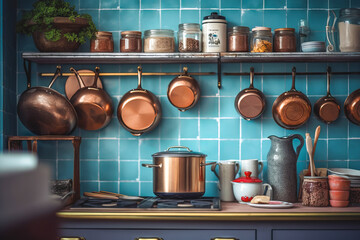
{"x":228,"y":212}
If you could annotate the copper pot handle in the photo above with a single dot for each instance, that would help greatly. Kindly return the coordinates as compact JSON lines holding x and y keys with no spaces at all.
{"x":328,"y":75}
{"x":80,"y":80}
{"x":179,"y":147}
{"x":293,"y":74}
{"x":251,"y":77}
{"x":152,"y":165}
{"x":207,"y":164}
{"x":97,"y":73}
{"x":56,"y":75}
{"x":139,"y":77}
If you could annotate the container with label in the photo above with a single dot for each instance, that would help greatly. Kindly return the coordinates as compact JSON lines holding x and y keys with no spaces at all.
{"x":214,"y":33}
{"x":130,"y":41}
{"x":285,"y":40}
{"x":349,"y":30}
{"x":159,"y":40}
{"x":189,"y":37}
{"x":238,"y":39}
{"x":261,"y":40}
{"x":102,"y":43}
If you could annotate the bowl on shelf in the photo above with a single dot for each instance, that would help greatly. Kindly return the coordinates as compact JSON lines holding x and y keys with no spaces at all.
{"x":313,"y":46}
{"x":339,"y":195}
{"x":335,"y":203}
{"x":339,"y":184}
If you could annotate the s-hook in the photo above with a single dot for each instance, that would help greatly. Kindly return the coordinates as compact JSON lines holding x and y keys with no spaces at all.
{"x":27,"y":68}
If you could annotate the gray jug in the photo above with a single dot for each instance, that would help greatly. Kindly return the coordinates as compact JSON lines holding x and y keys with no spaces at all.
{"x":281,"y":169}
{"x":227,"y":173}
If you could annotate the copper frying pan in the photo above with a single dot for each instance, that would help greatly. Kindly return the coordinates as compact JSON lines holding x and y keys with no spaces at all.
{"x":292,"y":108}
{"x":139,"y":110}
{"x":72,"y":84}
{"x":93,"y":105}
{"x":250,"y":102}
{"x":352,"y":107}
{"x":326,"y":108}
{"x":183,"y":91}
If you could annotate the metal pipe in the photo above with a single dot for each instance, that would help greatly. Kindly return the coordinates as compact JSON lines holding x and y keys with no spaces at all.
{"x":130,"y":74}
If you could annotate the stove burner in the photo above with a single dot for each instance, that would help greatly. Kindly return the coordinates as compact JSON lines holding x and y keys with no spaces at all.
{"x":183,"y":204}
{"x":104,"y":203}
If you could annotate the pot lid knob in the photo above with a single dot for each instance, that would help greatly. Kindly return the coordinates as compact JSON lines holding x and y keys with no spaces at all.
{"x":247,"y":174}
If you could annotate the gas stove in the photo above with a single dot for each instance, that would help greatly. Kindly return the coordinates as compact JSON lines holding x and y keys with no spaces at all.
{"x":150,"y":203}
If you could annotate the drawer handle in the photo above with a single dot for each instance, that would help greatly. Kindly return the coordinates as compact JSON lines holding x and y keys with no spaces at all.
{"x":224,"y":238}
{"x":72,"y":238}
{"x":149,"y":238}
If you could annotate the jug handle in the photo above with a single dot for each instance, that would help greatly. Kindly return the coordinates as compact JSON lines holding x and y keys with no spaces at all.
{"x":301,"y":139}
{"x":237,"y":168}
{"x":213,"y":168}
{"x":261,"y":167}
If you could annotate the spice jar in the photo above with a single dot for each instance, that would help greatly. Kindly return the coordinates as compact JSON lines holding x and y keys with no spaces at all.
{"x":284,"y":40}
{"x":238,"y":39}
{"x":130,"y":41}
{"x":189,"y":37}
{"x":261,"y":40}
{"x":349,"y":30}
{"x":159,"y":40}
{"x":102,"y":43}
{"x":214,"y":33}
{"x":315,"y":192}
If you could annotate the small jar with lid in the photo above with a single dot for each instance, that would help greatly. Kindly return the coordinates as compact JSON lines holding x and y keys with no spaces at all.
{"x":284,"y":40}
{"x":238,"y":39}
{"x":315,"y":192}
{"x":130,"y":41}
{"x":349,"y":30}
{"x":189,"y":37}
{"x":102,"y":43}
{"x":261,"y":40}
{"x":159,"y":41}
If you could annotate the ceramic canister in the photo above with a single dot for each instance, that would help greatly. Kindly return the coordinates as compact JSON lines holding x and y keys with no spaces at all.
{"x":214,"y":33}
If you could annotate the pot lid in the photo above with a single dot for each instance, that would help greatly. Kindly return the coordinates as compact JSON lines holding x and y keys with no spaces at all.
{"x":214,"y":15}
{"x":179,"y":153}
{"x":247,"y":179}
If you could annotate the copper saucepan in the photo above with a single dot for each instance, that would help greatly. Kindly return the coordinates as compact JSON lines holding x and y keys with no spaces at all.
{"x":250,"y":102}
{"x":326,"y":108}
{"x":292,"y":108}
{"x":93,"y":105}
{"x":183,"y":91}
{"x":45,"y":111}
{"x":139,"y":110}
{"x":352,"y":107}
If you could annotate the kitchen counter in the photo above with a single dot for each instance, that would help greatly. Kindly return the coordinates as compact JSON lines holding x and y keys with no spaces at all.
{"x":229,"y":212}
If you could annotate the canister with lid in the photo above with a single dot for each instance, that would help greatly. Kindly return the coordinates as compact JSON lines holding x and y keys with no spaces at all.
{"x":130,"y":41}
{"x":159,"y":40}
{"x":102,"y":43}
{"x":214,"y":33}
{"x":284,"y":40}
{"x":189,"y":37}
{"x":315,"y":192}
{"x":261,"y":40}
{"x":238,"y":39}
{"x":349,"y":30}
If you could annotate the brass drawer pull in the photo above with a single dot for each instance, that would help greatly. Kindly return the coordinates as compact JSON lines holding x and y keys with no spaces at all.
{"x":149,"y":238}
{"x":72,"y":238}
{"x":224,"y":238}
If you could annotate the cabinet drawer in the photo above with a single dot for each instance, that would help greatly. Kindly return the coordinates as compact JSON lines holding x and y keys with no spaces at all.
{"x":315,"y":234}
{"x":178,"y":234}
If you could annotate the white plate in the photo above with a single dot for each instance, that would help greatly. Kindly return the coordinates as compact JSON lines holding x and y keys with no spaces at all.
{"x":345,"y":171}
{"x":272,"y":204}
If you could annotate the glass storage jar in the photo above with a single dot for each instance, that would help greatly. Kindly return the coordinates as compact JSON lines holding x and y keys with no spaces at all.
{"x":189,"y":37}
{"x":315,"y":192}
{"x":102,"y":43}
{"x":159,"y":40}
{"x":284,"y":40}
{"x":130,"y":41}
{"x":261,"y":40}
{"x":238,"y":39}
{"x":349,"y":30}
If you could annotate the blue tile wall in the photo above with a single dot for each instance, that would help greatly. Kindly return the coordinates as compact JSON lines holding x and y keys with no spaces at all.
{"x":111,"y":158}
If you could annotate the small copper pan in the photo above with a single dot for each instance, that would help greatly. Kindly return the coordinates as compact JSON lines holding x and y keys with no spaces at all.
{"x":183,"y":91}
{"x":139,"y":110}
{"x":250,"y":102}
{"x":292,"y":108}
{"x":326,"y":108}
{"x":72,"y":84}
{"x":352,"y":107}
{"x":93,"y":105}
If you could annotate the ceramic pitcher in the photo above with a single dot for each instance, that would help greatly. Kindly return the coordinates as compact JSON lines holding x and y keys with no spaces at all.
{"x":281,"y":170}
{"x":227,"y":173}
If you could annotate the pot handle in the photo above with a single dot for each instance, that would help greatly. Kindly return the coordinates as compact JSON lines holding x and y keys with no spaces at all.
{"x":179,"y":147}
{"x":152,"y":165}
{"x":56,"y":75}
{"x":207,"y":164}
{"x":268,"y":191}
{"x":78,"y":77}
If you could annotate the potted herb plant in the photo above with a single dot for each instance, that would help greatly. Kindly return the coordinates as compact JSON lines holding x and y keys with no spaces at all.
{"x":56,"y":26}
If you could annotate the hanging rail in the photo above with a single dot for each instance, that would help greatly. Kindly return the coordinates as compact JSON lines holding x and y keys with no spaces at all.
{"x":131,"y":74}
{"x":289,"y":73}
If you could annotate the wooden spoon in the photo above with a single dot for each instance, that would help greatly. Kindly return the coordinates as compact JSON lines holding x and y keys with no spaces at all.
{"x":309,"y":148}
{"x":317,"y":133}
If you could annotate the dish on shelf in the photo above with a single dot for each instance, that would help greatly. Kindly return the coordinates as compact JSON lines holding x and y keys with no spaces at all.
{"x":313,"y":46}
{"x":352,"y":174}
{"x":272,"y":204}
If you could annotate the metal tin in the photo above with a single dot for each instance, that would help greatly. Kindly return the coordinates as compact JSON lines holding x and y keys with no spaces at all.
{"x":214,"y":33}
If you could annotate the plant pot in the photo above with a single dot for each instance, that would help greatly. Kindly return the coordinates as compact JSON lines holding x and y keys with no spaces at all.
{"x":65,"y":25}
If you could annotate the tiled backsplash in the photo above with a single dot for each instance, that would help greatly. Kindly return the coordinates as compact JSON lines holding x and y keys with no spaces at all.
{"x":111,"y":158}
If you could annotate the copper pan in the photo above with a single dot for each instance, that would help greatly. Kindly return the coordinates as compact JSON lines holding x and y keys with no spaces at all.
{"x":93,"y":105}
{"x":352,"y":107}
{"x":292,"y":108}
{"x":250,"y":102}
{"x":139,"y":110}
{"x":183,"y":91}
{"x":326,"y":108}
{"x":45,"y":111}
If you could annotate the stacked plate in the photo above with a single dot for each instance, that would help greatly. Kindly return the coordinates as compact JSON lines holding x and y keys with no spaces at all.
{"x":352,"y":174}
{"x":313,"y":46}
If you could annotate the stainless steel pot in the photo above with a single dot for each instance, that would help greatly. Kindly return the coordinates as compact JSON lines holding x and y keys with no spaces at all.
{"x":178,"y":174}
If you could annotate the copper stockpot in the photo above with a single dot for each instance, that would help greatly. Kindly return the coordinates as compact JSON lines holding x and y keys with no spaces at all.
{"x":352,"y":107}
{"x":139,"y":110}
{"x":292,"y":108}
{"x":93,"y":105}
{"x":178,"y":174}
{"x":250,"y":102}
{"x":326,"y":108}
{"x":183,"y":91}
{"x":45,"y":111}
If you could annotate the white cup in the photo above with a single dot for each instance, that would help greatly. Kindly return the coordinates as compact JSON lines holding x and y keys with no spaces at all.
{"x":251,"y":165}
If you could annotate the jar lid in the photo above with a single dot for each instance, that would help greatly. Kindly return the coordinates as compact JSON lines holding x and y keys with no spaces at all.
{"x":247,"y":179}
{"x":214,"y":15}
{"x":103,"y":33}
{"x":350,"y":11}
{"x":189,"y":26}
{"x":285,"y":29}
{"x":241,"y":29}
{"x":159,"y":32}
{"x":182,"y":153}
{"x":131,"y":33}
{"x":261,"y":29}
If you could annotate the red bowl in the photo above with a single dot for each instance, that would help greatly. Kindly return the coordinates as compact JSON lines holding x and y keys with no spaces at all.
{"x":339,"y":195}
{"x":335,"y":203}
{"x":336,"y":177}
{"x":342,"y":185}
